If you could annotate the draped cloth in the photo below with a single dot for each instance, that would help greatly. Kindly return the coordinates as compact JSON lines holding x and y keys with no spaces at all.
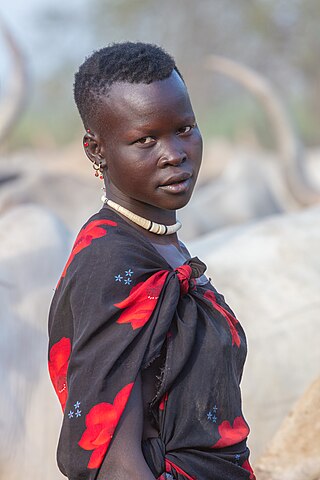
{"x":118,"y":305}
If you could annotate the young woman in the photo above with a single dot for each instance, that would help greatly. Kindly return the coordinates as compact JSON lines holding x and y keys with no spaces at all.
{"x":145,"y":355}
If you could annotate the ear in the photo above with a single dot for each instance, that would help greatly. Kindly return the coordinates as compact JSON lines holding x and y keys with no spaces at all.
{"x":92,"y":149}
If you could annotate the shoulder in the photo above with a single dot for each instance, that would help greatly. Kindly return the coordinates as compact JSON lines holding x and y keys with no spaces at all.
{"x":109,"y":235}
{"x":107,"y":243}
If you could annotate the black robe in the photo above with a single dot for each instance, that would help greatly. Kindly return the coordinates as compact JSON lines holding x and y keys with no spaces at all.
{"x":118,"y":306}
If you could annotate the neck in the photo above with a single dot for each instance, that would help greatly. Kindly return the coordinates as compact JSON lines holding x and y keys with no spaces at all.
{"x":166,"y":217}
{"x":146,"y":224}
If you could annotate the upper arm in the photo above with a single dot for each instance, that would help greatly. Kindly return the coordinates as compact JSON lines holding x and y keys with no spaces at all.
{"x":94,"y":362}
{"x":124,"y":458}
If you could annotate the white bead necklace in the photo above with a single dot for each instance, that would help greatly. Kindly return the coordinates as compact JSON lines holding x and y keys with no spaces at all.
{"x":157,"y":228}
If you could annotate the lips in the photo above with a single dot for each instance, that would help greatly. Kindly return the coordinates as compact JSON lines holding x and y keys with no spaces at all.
{"x":177,"y":184}
{"x":176,"y":179}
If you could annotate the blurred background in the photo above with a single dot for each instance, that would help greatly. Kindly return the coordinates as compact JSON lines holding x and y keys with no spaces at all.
{"x":253,"y":72}
{"x":279,"y":39}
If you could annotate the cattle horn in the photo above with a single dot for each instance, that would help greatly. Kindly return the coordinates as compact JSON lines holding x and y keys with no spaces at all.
{"x":15,"y":96}
{"x":291,"y":152}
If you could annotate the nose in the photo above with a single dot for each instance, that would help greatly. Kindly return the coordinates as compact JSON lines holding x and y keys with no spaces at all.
{"x":172,"y":154}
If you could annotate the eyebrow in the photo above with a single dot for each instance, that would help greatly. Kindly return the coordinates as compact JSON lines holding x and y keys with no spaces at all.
{"x":146,"y":129}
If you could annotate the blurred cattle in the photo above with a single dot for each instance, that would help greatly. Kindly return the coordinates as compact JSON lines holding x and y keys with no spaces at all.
{"x":34,"y":246}
{"x":252,"y":184}
{"x":269,"y":272}
{"x":294,"y":452}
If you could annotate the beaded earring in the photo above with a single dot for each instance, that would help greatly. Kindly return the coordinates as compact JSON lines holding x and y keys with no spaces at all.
{"x":98,"y":170}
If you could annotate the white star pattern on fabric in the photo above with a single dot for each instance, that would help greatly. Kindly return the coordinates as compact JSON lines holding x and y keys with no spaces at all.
{"x":70,"y":414}
{"x":127,"y":281}
{"x":118,"y":278}
{"x":78,"y":413}
{"x":129,"y":273}
{"x":212,"y":416}
{"x":77,"y":405}
{"x":215,"y":408}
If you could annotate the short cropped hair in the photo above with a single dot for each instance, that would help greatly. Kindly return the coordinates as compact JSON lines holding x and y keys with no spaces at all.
{"x":119,"y":62}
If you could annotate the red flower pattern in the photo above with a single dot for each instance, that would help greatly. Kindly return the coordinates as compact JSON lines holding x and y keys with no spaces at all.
{"x":232,"y":321}
{"x":230,"y":435}
{"x":101,"y":423}
{"x":170,"y":465}
{"x":86,"y":235}
{"x":58,"y":365}
{"x":246,"y":465}
{"x":163,"y":401}
{"x":142,"y":300}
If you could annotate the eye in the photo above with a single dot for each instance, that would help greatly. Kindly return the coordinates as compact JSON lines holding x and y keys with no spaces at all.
{"x":185,"y":129}
{"x":145,"y":140}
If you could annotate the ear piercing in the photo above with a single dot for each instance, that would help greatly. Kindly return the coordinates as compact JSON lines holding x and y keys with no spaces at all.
{"x":88,"y":134}
{"x":98,"y":168}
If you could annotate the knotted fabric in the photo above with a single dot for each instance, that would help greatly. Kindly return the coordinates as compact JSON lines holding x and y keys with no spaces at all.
{"x":189,"y":271}
{"x":116,"y":308}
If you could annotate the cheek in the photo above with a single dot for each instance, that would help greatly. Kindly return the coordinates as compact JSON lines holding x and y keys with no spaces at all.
{"x":133,"y":163}
{"x":199,"y":142}
{"x":196,"y":150}
{"x":127,"y":174}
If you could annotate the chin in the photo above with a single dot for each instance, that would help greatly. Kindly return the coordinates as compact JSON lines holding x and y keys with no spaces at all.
{"x":177,"y":203}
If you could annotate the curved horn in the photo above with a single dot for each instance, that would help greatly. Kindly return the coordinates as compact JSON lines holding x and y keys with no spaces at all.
{"x":15,"y":97}
{"x":296,"y":178}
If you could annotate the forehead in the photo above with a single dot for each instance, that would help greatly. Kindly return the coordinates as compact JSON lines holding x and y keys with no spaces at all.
{"x":141,"y":103}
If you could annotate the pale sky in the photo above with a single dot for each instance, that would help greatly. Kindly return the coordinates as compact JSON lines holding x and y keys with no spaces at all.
{"x":45,"y":43}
